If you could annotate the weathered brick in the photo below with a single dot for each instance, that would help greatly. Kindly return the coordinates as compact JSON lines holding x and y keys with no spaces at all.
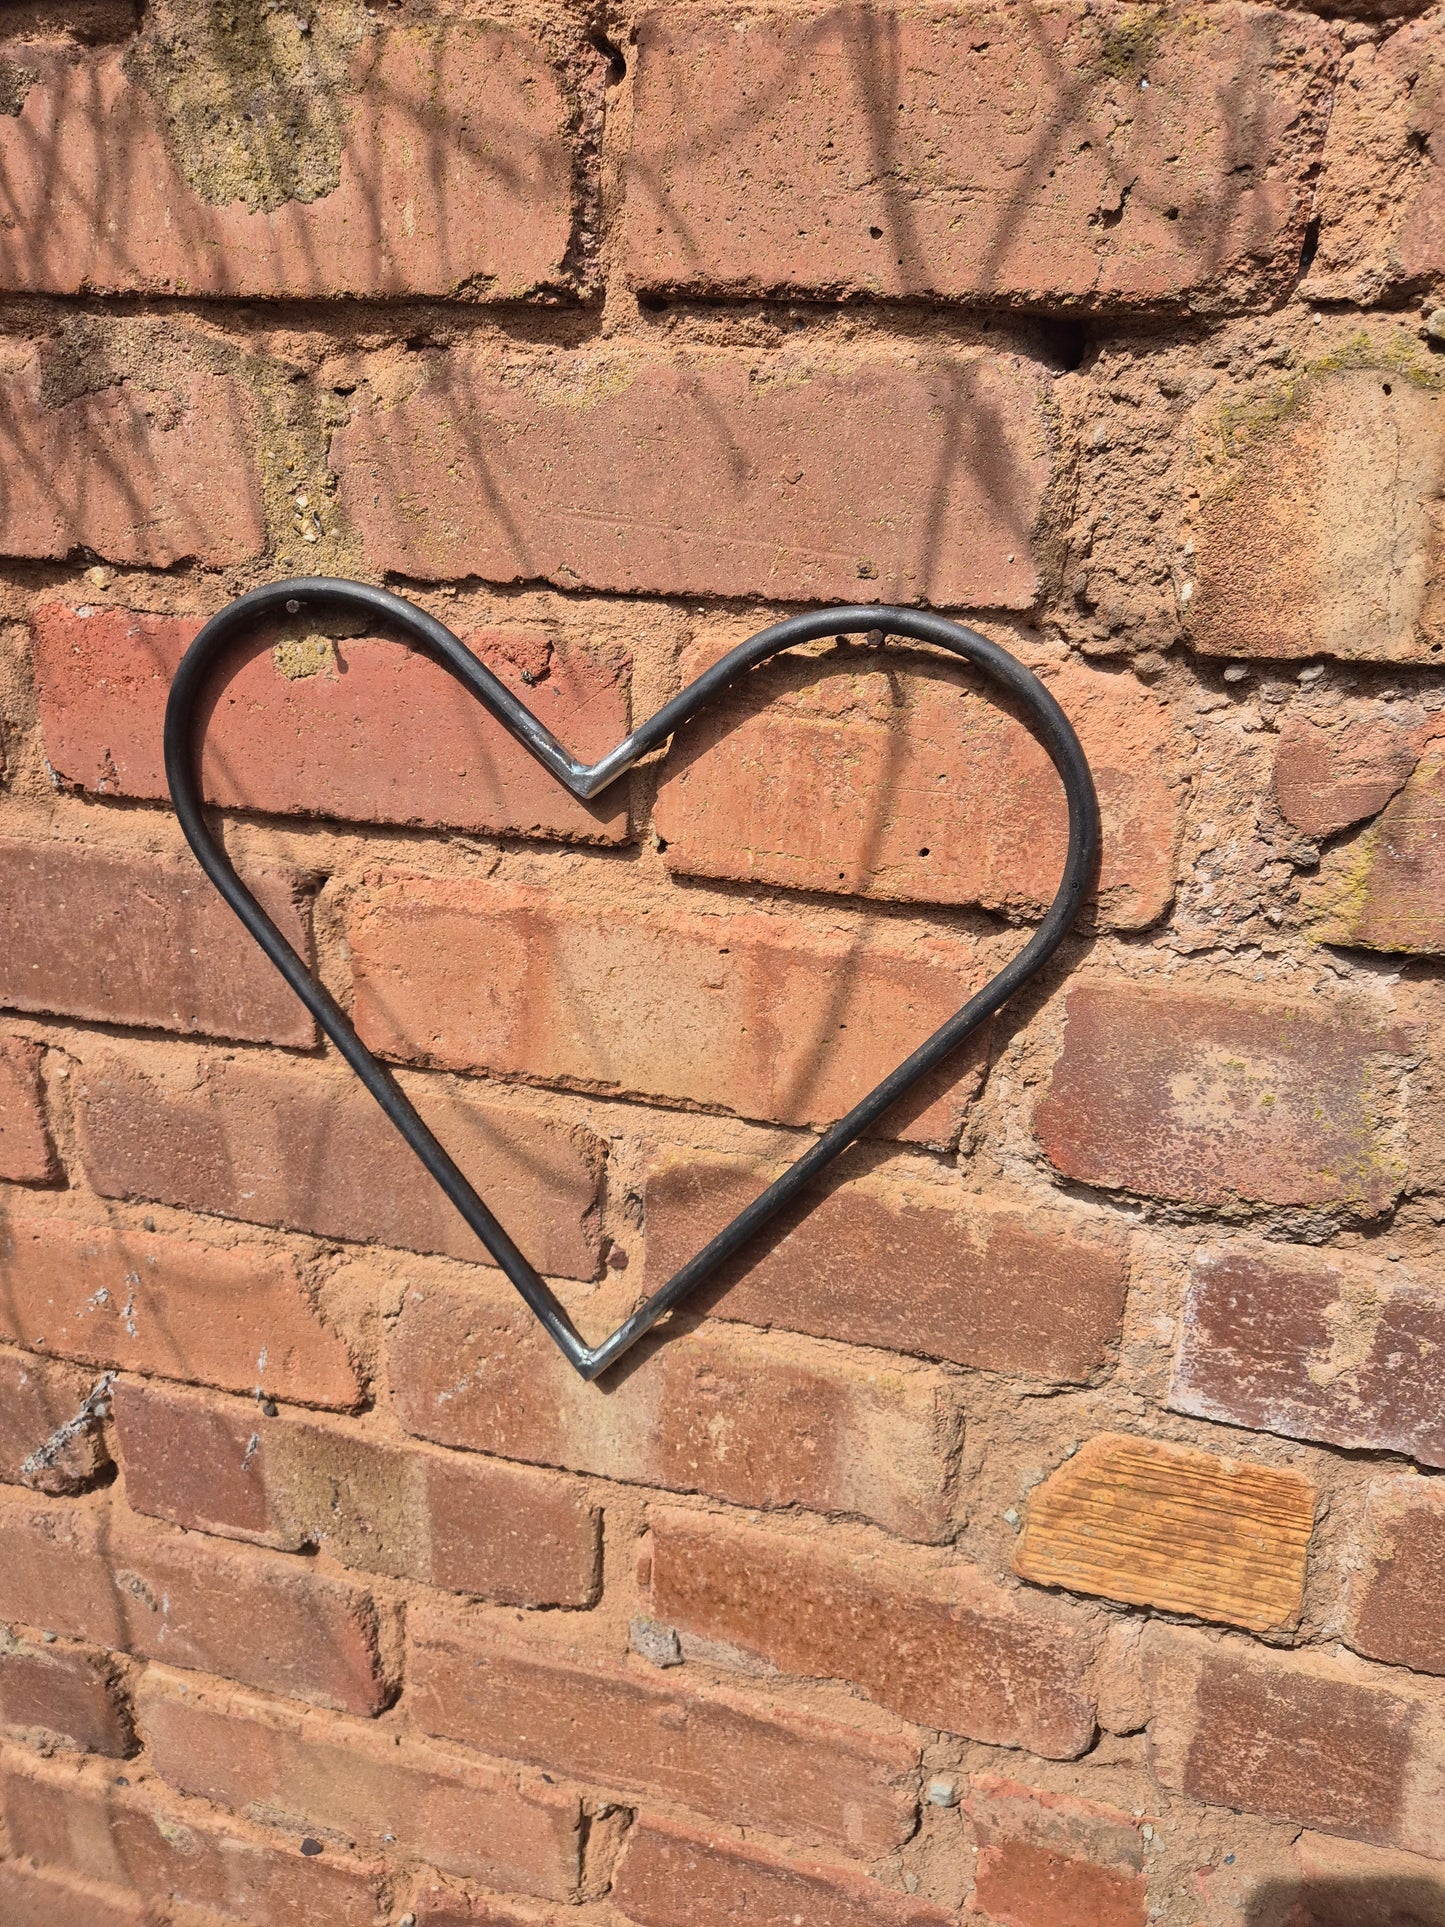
{"x":65,"y":1693}
{"x":248,"y":1615}
{"x":1051,"y":1860}
{"x":37,"y":1399}
{"x":29,"y":1898}
{"x":674,"y":1876}
{"x":627,"y":1727}
{"x":760,"y":1421}
{"x":842,"y":152}
{"x":1365,"y":1752}
{"x":908,"y":781}
{"x":1313,"y":1347}
{"x":161,"y":1850}
{"x":1380,"y":201}
{"x":504,"y":1532}
{"x":355,"y":728}
{"x":699,"y":471}
{"x":123,"y":937}
{"x":473,"y":110}
{"x":1330,"y":773}
{"x":1382,"y":892}
{"x":932,"y":1640}
{"x":239,"y":1139}
{"x":745,"y":1011}
{"x":1164,"y":1525}
{"x":910,"y":1268}
{"x":318,"y":1770}
{"x":1344,"y":1884}
{"x":134,"y":1300}
{"x":1398,"y":1572}
{"x":138,"y":474}
{"x":440,"y":1904}
{"x":26,"y":1153}
{"x":1314,"y":533}
{"x":1215,"y":1100}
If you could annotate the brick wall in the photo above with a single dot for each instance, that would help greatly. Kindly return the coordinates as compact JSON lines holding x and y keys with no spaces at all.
{"x":1049,"y":1530}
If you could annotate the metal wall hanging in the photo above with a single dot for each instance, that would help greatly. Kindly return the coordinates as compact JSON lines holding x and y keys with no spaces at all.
{"x":400,"y":619}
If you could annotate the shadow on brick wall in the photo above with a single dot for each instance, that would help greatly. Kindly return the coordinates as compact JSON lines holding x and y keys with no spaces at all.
{"x":1407,"y":1900}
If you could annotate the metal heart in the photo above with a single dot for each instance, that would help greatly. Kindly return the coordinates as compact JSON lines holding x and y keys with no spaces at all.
{"x":397,"y":617}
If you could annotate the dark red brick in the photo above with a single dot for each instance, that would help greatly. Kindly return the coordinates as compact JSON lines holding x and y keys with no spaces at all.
{"x":65,"y":1693}
{"x":1292,"y":1341}
{"x":672,"y":1875}
{"x":515,"y":1831}
{"x":935,"y":1642}
{"x":913,"y":1268}
{"x":1365,"y":1748}
{"x":1215,"y":1099}
{"x":504,"y":1532}
{"x":1398,"y":1575}
{"x":626,"y":1726}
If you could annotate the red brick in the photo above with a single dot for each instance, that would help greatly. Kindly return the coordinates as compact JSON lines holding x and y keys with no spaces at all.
{"x":1382,"y":892}
{"x":249,"y":1615}
{"x":134,"y":1300}
{"x":1291,"y":1341}
{"x":672,"y":1876}
{"x":1049,"y":1860}
{"x":747,"y":1012}
{"x":1343,"y":1884}
{"x":139,"y":473}
{"x":473,"y":111}
{"x":123,"y":937}
{"x":240,"y":1139}
{"x":725,"y":462}
{"x":1365,"y":1754}
{"x":443,"y":1905}
{"x":1330,"y":774}
{"x":164,"y":1851}
{"x":319,"y":1771}
{"x":841,"y":152}
{"x":36,"y":1400}
{"x":252,"y":1616}
{"x":503,"y":1532}
{"x":627,"y":1727}
{"x":854,"y":784}
{"x":933,"y":1640}
{"x":32,"y":1899}
{"x":1398,"y":1575}
{"x":54,"y":1574}
{"x":912,"y":1268}
{"x":1313,"y":533}
{"x":363,"y":729}
{"x":1215,"y":1100}
{"x":67,"y":1693}
{"x":26,"y":1153}
{"x":759,"y":1421}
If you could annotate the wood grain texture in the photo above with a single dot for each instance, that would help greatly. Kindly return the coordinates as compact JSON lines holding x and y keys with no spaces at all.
{"x":1165,"y":1525}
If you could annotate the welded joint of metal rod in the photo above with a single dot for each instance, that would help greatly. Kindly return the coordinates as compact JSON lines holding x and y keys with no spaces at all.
{"x":281,"y":600}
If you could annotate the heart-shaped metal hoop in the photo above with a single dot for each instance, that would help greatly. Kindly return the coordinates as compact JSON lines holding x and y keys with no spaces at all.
{"x":397,"y":617}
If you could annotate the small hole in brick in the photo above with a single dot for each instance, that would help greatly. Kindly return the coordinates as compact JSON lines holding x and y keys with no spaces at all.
{"x":1387,"y":388}
{"x":876,"y":232}
{"x":310,"y":1848}
{"x":652,"y":303}
{"x":923,"y":852}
